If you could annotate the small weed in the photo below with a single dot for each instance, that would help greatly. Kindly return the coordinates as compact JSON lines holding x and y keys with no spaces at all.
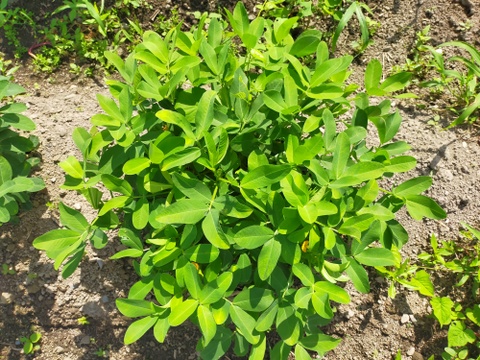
{"x":101,"y":353}
{"x":8,"y":270}
{"x":83,"y":321}
{"x":31,"y":343}
{"x":459,"y":311}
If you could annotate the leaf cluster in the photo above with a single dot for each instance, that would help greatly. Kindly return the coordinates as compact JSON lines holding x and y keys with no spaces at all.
{"x":241,"y":183}
{"x":459,"y":311}
{"x":462,"y":84}
{"x":15,"y":161}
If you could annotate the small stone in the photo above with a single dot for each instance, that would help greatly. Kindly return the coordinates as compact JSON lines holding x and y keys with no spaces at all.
{"x":413,"y":319}
{"x":405,"y":319}
{"x":100,"y":263}
{"x":77,"y":206}
{"x":62,"y":132}
{"x":6,"y":298}
{"x":350,"y":314}
{"x":59,"y":350}
{"x":33,"y":288}
{"x":53,"y":180}
{"x":105,"y":299}
{"x":85,"y":340}
{"x":411,"y":351}
{"x":94,"y":310}
{"x":448,"y":175}
{"x":417,"y":356}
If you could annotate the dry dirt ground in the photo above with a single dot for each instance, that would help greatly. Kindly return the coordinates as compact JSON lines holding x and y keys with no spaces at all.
{"x":371,"y":326}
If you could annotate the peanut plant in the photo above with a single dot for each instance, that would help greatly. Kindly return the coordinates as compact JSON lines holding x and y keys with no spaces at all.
{"x":241,"y":184}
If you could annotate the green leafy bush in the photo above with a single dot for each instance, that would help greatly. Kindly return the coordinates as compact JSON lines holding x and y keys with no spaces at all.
{"x":15,"y":161}
{"x":241,"y":183}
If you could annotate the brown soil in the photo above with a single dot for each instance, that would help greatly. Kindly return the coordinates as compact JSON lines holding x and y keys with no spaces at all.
{"x":371,"y":326}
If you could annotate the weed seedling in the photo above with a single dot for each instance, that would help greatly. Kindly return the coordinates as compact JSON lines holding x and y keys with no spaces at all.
{"x":7,"y":270}
{"x":31,"y":343}
{"x":83,"y":320}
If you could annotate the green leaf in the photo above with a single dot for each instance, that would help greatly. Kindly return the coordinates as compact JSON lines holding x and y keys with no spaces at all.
{"x":376,"y":257}
{"x":373,"y":75}
{"x":303,"y":297}
{"x":282,"y":27}
{"x":306,"y":43}
{"x":114,"y":203}
{"x":207,"y":323}
{"x":304,"y":273}
{"x":141,"y":213}
{"x":459,"y":335}
{"x":474,"y":314}
{"x":202,"y":253}
{"x":72,"y":219}
{"x":268,"y":258}
{"x":230,"y":206}
{"x":140,"y":289}
{"x":396,"y":82}
{"x":110,"y":107}
{"x":274,"y":100}
{"x":387,"y":126}
{"x":420,"y":206}
{"x":133,"y":253}
{"x":116,"y":184}
{"x":216,"y":289}
{"x":18,"y":121}
{"x":265,"y":175}
{"x":413,"y":186}
{"x":320,"y":343}
{"x":442,"y":309}
{"x":341,"y":154}
{"x":359,"y":276}
{"x":329,"y":68}
{"x":321,"y":304}
{"x":267,"y":317}
{"x":213,"y":231}
{"x":181,"y":158}
{"x":72,"y":167}
{"x":400,"y":164}
{"x":54,"y":241}
{"x":325,"y":92}
{"x":254,"y":299}
{"x":182,"y":311}
{"x":160,"y":329}
{"x":173,"y":117}
{"x":335,"y":292}
{"x":423,"y":283}
{"x":138,"y":328}
{"x":258,"y":350}
{"x":136,"y":165}
{"x":288,"y":325}
{"x":5,"y":170}
{"x":192,"y":280}
{"x":219,"y":345}
{"x":245,"y":323}
{"x":134,"y":307}
{"x":185,"y":211}
{"x":294,"y":189}
{"x":193,"y":188}
{"x":309,"y":149}
{"x":301,"y":353}
{"x":204,"y":115}
{"x":253,"y":236}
